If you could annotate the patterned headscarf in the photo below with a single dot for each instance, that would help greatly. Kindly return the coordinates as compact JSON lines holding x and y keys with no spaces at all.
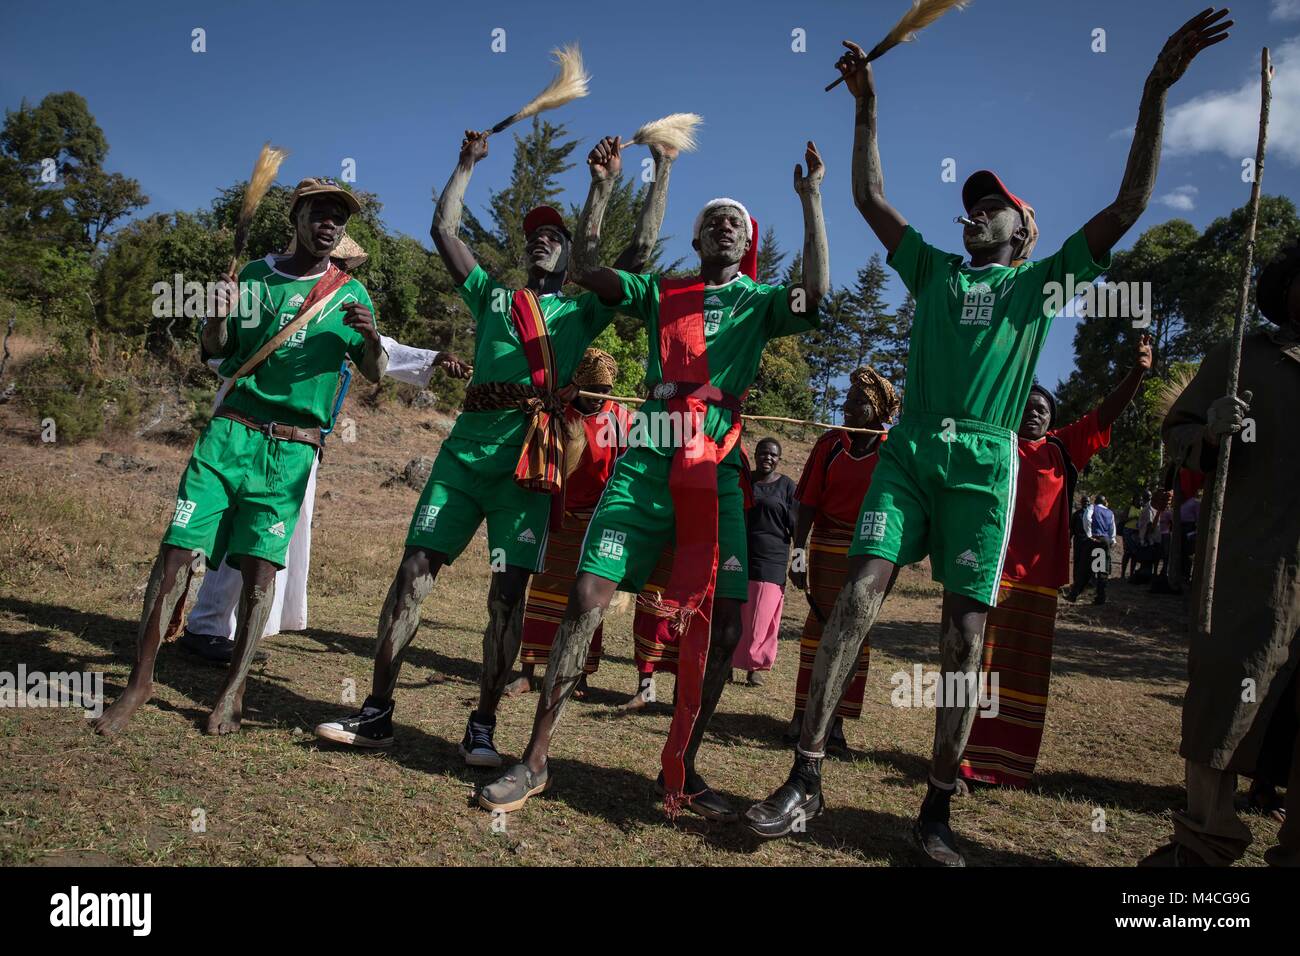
{"x":596,"y":368}
{"x":877,"y":389}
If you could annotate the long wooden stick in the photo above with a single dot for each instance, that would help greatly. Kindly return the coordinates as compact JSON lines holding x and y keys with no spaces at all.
{"x":1214,"y":520}
{"x":632,"y":400}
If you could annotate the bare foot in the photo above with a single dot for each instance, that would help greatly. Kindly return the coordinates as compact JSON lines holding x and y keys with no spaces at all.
{"x":226,"y":715}
{"x":116,"y":717}
{"x":580,"y":690}
{"x":639,"y":700}
{"x":521,"y":686}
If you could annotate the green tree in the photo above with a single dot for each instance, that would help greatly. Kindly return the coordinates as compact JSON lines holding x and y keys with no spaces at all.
{"x":870,"y":326}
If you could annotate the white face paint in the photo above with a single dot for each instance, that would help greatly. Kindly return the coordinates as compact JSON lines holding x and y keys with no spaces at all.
{"x":712,"y":250}
{"x":556,"y":261}
{"x":305,"y":230}
{"x":1001,"y":226}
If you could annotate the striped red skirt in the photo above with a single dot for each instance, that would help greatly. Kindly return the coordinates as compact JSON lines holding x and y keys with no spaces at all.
{"x":654,"y":646}
{"x":828,"y":561}
{"x":548,"y":594}
{"x":1018,"y":637}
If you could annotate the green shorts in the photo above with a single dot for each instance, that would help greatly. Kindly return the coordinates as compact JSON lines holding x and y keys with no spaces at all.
{"x":633,"y":523}
{"x":943,"y":488}
{"x":471,"y":481}
{"x":240,"y":494}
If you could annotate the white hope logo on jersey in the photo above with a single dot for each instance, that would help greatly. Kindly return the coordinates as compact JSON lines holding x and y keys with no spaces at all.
{"x":977,"y":307}
{"x":292,"y":307}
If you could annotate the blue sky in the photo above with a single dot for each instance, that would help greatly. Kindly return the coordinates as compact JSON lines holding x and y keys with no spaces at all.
{"x":1007,"y":84}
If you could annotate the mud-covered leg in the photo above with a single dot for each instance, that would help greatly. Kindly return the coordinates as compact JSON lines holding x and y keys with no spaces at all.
{"x":587,"y":603}
{"x":255,"y":603}
{"x":400,"y":617}
{"x":502,"y":636}
{"x":166,"y":588}
{"x":961,"y":644}
{"x":799,"y":799}
{"x":866,"y":586}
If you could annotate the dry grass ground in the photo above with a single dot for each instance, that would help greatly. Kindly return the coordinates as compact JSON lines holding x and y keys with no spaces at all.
{"x":76,"y":543}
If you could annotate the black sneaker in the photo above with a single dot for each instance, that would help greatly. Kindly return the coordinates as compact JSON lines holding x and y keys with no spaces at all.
{"x":372,"y":728}
{"x":213,"y":648}
{"x":477,"y":747}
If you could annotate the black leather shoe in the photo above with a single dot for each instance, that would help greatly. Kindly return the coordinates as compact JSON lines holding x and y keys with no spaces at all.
{"x":936,"y":840}
{"x":704,"y":801}
{"x":213,"y":649}
{"x":794,"y":803}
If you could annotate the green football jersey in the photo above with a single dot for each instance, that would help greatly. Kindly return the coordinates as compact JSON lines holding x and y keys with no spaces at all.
{"x":297,"y":382}
{"x":573,"y":321}
{"x":978,"y":332}
{"x":740,"y":318}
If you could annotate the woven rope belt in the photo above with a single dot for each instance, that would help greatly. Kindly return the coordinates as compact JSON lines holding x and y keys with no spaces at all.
{"x":495,"y":396}
{"x":277,"y":430}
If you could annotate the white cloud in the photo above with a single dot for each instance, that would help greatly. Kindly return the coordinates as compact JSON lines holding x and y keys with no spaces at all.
{"x":1285,"y":10}
{"x":1183,"y":198}
{"x":1227,"y":122}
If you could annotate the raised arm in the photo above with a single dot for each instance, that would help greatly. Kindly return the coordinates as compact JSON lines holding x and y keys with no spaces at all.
{"x":603,"y":281}
{"x":816,"y":256}
{"x":868,"y":178}
{"x":1106,"y":228}
{"x":446,"y":217}
{"x":1108,"y":411}
{"x":651,"y":217}
{"x":606,"y":164}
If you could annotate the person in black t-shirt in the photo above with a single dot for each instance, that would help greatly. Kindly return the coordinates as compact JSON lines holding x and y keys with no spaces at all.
{"x":771,"y":524}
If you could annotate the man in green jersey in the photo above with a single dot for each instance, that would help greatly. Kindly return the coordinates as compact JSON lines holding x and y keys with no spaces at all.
{"x":707,"y":335}
{"x":522,"y":337}
{"x":241,"y":491}
{"x":946,"y":480}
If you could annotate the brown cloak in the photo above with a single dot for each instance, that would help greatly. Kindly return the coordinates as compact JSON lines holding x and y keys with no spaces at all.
{"x":1257,"y":577}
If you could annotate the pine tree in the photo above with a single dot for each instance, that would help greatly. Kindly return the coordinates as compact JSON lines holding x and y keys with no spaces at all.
{"x":871,"y":327}
{"x":826,"y":351}
{"x":770,"y":258}
{"x":891,"y":355}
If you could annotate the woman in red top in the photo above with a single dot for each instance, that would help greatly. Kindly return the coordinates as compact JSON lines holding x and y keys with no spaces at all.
{"x":605,"y":424}
{"x":830,"y":492}
{"x":1004,"y":742}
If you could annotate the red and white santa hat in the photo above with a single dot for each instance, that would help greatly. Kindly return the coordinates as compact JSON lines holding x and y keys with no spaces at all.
{"x":749,"y":264}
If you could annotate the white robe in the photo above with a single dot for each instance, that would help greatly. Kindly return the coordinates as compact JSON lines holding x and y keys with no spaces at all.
{"x":217,"y":605}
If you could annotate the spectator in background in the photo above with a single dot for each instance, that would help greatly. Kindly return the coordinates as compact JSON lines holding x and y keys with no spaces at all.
{"x":1081,"y":534}
{"x":770,"y":522}
{"x":1187,"y":517}
{"x":1103,"y":540}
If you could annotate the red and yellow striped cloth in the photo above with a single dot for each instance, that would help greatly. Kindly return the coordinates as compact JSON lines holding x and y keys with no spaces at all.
{"x":548,"y":594}
{"x":1018,"y":650}
{"x":828,"y":549}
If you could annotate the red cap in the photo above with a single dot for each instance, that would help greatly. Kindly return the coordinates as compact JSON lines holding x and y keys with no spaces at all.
{"x":545,"y":216}
{"x":982,"y":183}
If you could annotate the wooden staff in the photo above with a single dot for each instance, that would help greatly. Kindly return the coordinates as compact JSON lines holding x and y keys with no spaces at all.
{"x":1214,"y":520}
{"x":631,"y":400}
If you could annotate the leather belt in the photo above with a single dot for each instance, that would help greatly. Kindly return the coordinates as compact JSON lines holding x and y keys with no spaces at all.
{"x":276,"y":430}
{"x":667,"y":390}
